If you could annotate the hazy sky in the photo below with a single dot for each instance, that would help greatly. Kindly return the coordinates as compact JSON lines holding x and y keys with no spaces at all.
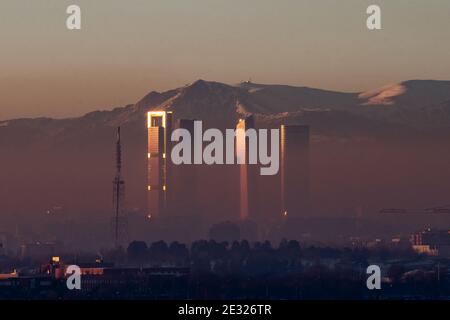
{"x":127,"y":48}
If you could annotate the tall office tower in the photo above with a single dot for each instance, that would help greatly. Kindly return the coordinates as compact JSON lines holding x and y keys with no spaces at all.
{"x":295,"y":171}
{"x":159,"y":124}
{"x":248,"y":173}
{"x":183,"y":192}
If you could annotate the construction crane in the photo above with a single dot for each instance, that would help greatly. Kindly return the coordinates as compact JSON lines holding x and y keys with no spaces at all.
{"x":434,"y":210}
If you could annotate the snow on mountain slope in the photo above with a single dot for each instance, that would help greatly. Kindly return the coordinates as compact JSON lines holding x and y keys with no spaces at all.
{"x":282,"y":98}
{"x":384,"y":95}
{"x":412,"y":94}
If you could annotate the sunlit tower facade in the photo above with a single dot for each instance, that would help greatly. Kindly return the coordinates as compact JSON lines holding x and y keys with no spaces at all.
{"x":159,"y":128}
{"x":295,"y":192}
{"x":248,"y":173}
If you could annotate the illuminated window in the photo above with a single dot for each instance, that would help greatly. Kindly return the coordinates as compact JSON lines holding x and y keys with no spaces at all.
{"x":156,"y":119}
{"x":149,"y":188}
{"x":164,"y":188}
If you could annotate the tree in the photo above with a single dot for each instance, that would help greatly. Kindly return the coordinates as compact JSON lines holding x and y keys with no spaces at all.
{"x":137,"y":251}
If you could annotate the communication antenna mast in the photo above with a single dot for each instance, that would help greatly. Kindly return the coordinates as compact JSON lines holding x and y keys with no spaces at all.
{"x":119,"y":221}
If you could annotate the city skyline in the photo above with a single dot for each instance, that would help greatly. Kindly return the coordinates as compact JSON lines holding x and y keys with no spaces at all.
{"x":228,"y":156}
{"x":173,"y":187}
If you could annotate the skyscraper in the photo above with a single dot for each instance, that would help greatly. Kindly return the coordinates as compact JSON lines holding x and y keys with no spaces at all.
{"x":295,"y":171}
{"x":183,"y":193}
{"x":248,"y":175}
{"x":159,"y":124}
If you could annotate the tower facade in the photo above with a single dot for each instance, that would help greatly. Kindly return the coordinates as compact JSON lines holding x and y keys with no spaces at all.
{"x":294,"y":170}
{"x":183,"y":196}
{"x":248,"y":173}
{"x":159,"y":128}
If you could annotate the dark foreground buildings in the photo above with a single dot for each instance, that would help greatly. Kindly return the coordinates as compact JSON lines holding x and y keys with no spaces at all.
{"x":217,"y":270}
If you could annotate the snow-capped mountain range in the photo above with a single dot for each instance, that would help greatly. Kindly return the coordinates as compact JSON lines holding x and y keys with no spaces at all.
{"x":415,"y":105}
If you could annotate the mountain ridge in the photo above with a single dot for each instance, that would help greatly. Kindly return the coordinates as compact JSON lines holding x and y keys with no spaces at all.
{"x":418,"y":104}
